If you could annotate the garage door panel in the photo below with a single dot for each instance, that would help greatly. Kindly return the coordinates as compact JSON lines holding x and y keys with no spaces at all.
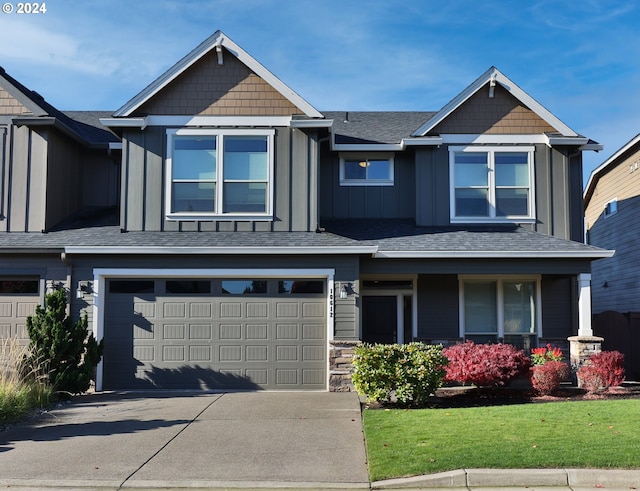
{"x":256,"y":340}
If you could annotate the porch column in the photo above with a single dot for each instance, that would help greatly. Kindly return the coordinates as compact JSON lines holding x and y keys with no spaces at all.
{"x":585,"y":344}
{"x":584,"y":305}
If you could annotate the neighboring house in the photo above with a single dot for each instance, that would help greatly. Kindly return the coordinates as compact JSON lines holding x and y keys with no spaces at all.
{"x":257,"y":237}
{"x":612,"y":212}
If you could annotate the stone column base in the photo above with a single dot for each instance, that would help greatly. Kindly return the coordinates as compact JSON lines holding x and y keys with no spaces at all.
{"x":340,"y":367}
{"x":581,"y":348}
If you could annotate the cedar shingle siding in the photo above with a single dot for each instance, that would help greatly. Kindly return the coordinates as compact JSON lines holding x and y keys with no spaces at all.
{"x":209,"y":89}
{"x":9,"y":105}
{"x":500,"y":114}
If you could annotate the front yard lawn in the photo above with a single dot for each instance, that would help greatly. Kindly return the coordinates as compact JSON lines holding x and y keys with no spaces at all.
{"x":577,"y":434}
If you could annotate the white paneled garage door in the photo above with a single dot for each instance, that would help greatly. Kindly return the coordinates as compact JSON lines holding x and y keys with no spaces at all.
{"x":215,"y":333}
{"x":19,"y":297}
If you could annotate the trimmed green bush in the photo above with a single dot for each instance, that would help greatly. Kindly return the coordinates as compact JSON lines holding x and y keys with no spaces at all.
{"x":410,"y":372}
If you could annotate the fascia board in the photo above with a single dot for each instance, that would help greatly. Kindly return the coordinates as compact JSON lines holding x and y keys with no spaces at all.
{"x":495,"y":254}
{"x":311,"y":123}
{"x":367,"y":147}
{"x":595,"y":174}
{"x":422,"y":141}
{"x":165,"y":120}
{"x":567,"y":140}
{"x":124,"y":122}
{"x":217,"y":39}
{"x":221,"y":250}
{"x":507,"y":84}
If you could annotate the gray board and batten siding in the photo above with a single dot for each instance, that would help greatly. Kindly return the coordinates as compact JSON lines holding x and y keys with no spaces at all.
{"x":295,"y":186}
{"x":421,"y":191}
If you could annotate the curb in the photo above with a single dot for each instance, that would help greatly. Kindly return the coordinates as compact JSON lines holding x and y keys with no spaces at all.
{"x":505,"y":478}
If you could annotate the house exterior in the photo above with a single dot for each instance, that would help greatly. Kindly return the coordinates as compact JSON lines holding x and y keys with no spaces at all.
{"x":256,"y":239}
{"x":612,"y":203}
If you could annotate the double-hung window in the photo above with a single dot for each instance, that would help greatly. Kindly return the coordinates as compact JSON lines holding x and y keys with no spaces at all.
{"x":491,"y":183}
{"x":500,"y":308}
{"x":219,"y":174}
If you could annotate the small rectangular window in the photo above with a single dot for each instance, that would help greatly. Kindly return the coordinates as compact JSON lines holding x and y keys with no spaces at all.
{"x":192,"y":287}
{"x":366,"y":170}
{"x":243,"y":287}
{"x":295,"y":287}
{"x":16,"y":286}
{"x":611,"y":208}
{"x":131,"y":286}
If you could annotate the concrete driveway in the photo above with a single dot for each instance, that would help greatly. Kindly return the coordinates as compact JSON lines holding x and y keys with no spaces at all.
{"x":310,"y":440}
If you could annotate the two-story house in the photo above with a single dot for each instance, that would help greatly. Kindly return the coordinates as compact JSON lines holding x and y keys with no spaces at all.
{"x":257,"y":235}
{"x":612,"y":206}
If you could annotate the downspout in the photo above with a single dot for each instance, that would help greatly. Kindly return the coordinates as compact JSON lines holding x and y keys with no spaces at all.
{"x":67,"y":262}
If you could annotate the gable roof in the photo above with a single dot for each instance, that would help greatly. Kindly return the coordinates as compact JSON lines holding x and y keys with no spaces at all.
{"x":91,"y":134}
{"x":218,"y":39}
{"x":607,"y":165}
{"x":494,"y":76}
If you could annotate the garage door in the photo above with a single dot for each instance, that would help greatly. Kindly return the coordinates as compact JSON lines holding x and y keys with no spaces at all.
{"x":215,"y":334}
{"x":19,"y":297}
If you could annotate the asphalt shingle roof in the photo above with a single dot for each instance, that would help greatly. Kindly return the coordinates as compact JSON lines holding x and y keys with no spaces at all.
{"x":375,"y":126}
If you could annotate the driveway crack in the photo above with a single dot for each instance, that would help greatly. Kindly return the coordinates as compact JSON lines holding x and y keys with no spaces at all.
{"x":169,"y":441}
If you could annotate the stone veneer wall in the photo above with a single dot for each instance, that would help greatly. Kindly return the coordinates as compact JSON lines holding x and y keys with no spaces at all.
{"x":340,"y":366}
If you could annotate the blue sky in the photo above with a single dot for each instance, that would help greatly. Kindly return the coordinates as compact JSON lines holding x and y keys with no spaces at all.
{"x":578,"y":58}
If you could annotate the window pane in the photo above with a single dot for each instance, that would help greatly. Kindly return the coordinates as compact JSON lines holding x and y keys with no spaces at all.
{"x":378,"y":169}
{"x":131,"y":286}
{"x":480,"y":311}
{"x":193,"y":196}
{"x":471,"y":169}
{"x":244,"y":197}
{"x":245,"y":158}
{"x":300,"y":286}
{"x":194,"y":157}
{"x":512,"y":169}
{"x":519,"y":307}
{"x":355,"y":169}
{"x":472,"y":203}
{"x":512,"y":202}
{"x":12,"y":287}
{"x":243,"y":287}
{"x":188,"y":286}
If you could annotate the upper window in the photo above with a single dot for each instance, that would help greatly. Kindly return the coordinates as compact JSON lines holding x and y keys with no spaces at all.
{"x":491,"y":183}
{"x":219,"y":173}
{"x":366,"y":170}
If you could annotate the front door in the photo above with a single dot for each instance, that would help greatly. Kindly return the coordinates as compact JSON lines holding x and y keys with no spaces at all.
{"x":379,"y":319}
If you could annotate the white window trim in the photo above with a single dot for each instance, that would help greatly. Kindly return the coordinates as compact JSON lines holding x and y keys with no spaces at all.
{"x":219,"y":215}
{"x":367,"y":156}
{"x":492,"y":218}
{"x":607,"y":206}
{"x":499,"y":279}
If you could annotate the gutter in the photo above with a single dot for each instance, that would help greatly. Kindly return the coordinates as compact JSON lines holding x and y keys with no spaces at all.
{"x":494,"y":254}
{"x":221,"y":250}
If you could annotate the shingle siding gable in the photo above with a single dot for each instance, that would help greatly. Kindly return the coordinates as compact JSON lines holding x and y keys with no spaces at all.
{"x":209,"y":89}
{"x":500,"y":114}
{"x":9,"y":105}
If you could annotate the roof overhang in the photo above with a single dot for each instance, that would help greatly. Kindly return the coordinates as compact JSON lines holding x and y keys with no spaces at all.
{"x":215,"y":41}
{"x":215,"y":121}
{"x":495,"y":254}
{"x":221,"y":250}
{"x":54,"y":122}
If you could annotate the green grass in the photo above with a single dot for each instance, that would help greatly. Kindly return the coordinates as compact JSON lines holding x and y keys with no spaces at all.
{"x":582,"y":434}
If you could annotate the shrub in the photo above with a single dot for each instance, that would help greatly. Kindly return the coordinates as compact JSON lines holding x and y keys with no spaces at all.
{"x":67,"y":350}
{"x":546,"y":378}
{"x":603,"y":370}
{"x":412,"y":372}
{"x":485,"y":364}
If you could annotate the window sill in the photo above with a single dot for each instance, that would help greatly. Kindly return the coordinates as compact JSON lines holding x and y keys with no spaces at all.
{"x":219,"y":218}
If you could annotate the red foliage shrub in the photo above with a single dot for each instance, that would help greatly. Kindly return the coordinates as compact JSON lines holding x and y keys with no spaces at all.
{"x":604,"y":370}
{"x":546,"y":378}
{"x":485,"y":364}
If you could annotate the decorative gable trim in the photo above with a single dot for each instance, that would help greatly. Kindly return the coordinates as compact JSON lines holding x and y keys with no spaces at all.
{"x":494,"y":76}
{"x":214,"y":42}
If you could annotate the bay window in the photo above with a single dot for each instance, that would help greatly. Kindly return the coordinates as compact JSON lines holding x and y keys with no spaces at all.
{"x":491,"y":184}
{"x":500,"y":308}
{"x":219,"y":173}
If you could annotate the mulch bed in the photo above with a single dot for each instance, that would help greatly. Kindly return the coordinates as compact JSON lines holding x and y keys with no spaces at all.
{"x":452,"y":397}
